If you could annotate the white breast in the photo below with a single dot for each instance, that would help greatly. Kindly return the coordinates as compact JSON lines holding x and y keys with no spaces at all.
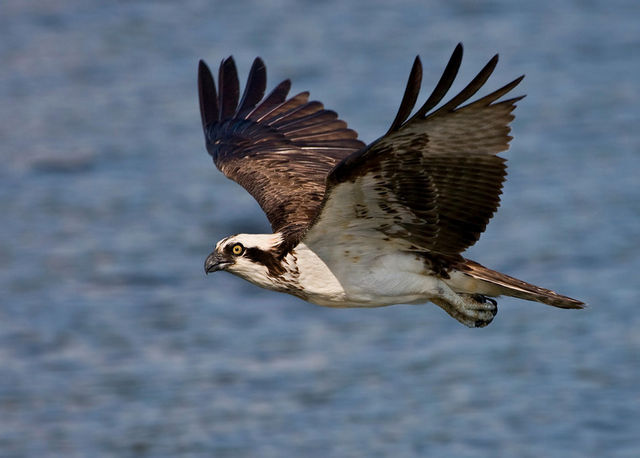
{"x":315,"y":278}
{"x":360,"y":274}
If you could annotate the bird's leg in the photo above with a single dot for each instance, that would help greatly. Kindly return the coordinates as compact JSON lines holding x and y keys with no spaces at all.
{"x":473,"y":310}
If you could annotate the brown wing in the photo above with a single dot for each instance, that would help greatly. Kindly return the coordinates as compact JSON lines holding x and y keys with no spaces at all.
{"x":433,"y":181}
{"x":280,"y":150}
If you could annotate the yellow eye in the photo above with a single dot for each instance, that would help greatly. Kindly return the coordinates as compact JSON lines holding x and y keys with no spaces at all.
{"x":237,"y":249}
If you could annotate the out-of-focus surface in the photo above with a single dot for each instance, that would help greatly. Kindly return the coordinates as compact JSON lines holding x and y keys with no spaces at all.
{"x":112,"y":340}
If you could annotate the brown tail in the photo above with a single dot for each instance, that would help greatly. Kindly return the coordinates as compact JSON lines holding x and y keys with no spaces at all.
{"x":510,"y":286}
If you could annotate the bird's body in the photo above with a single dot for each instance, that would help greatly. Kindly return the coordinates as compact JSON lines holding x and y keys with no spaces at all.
{"x":366,"y":226}
{"x":343,"y":274}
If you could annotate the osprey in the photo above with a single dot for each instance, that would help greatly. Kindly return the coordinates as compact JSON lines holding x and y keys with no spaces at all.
{"x":358,"y":225}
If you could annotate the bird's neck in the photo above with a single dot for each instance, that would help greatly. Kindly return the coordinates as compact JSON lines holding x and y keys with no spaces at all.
{"x":311,"y":277}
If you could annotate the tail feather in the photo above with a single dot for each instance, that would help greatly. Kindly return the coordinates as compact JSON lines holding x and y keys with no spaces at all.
{"x":509,"y":286}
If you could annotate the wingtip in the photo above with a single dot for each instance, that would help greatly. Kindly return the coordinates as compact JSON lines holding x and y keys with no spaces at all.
{"x":228,"y":88}
{"x":228,"y":64}
{"x":410,"y":95}
{"x":416,"y":70}
{"x":203,"y":67}
{"x":207,"y":94}
{"x":516,"y":82}
{"x":255,"y":87}
{"x":258,"y":65}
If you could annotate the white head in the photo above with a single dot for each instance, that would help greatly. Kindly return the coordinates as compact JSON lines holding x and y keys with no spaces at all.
{"x":253,"y":257}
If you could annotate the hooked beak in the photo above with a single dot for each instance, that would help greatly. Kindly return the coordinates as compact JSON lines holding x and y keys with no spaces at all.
{"x":214,"y":262}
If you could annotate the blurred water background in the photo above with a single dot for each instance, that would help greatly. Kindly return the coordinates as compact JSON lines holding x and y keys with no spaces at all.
{"x":114,"y":343}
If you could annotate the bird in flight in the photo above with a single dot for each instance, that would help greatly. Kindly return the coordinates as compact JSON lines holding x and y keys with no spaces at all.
{"x":358,"y":225}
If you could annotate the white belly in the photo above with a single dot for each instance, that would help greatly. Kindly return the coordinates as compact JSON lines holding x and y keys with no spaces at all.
{"x":363,"y":278}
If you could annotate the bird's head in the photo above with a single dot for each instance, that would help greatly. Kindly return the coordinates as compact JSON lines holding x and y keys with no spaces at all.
{"x":253,"y":257}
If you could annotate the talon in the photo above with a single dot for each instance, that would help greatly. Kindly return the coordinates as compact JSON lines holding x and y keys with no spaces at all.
{"x":484,"y":299}
{"x":472,"y":310}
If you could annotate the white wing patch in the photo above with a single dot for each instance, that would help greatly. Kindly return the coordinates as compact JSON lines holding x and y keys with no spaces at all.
{"x":365,"y":209}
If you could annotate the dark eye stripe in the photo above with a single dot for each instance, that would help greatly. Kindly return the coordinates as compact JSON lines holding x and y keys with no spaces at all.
{"x":267,"y":259}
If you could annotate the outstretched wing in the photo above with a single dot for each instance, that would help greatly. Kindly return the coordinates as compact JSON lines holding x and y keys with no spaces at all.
{"x":280,"y":150}
{"x":432,"y":182}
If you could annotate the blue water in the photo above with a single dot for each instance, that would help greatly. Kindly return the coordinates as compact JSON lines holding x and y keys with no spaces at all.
{"x":114,"y":343}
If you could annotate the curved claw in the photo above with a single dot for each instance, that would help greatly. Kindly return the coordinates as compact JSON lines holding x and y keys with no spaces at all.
{"x":484,"y":299}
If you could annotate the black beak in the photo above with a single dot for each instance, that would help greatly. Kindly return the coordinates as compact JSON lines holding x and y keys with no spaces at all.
{"x":214,"y":262}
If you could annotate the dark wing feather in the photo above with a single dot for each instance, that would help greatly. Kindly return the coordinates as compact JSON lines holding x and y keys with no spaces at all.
{"x":433,"y":181}
{"x":207,"y":96}
{"x":446,"y":80}
{"x":254,"y":91}
{"x":410,"y":95}
{"x":228,"y":89}
{"x":279,"y":150}
{"x":275,"y":98}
